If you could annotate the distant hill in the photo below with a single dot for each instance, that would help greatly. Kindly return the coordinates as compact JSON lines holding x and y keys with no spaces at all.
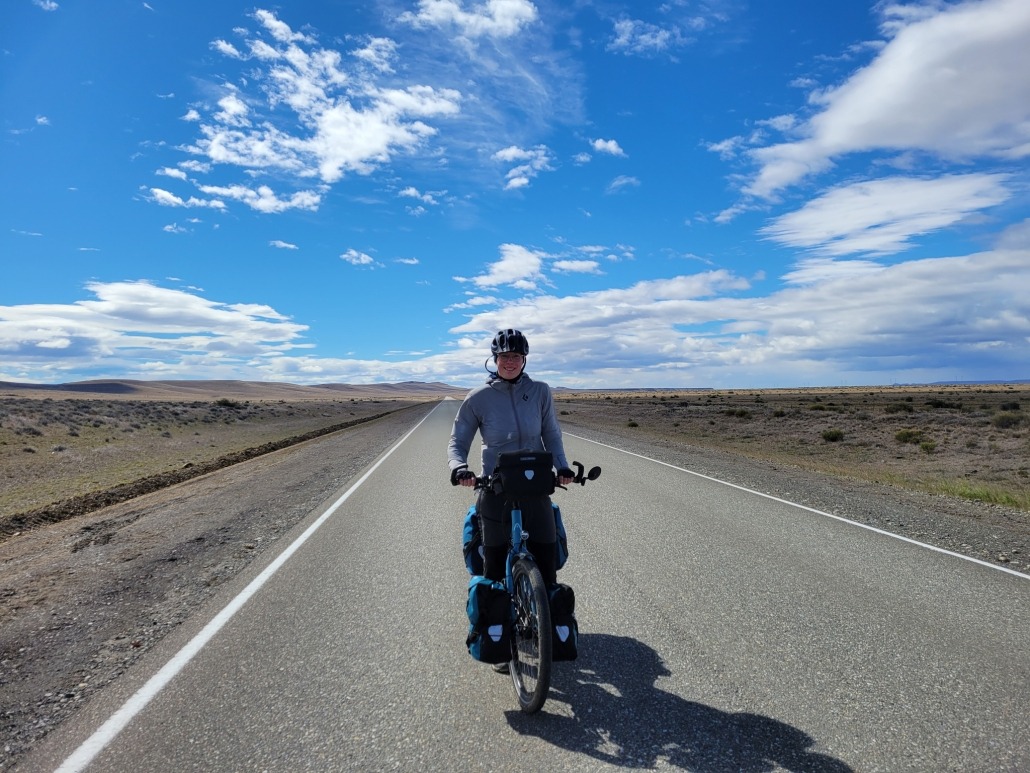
{"x":213,"y":390}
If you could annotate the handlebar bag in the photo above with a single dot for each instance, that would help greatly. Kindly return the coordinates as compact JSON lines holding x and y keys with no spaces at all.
{"x":526,"y":474}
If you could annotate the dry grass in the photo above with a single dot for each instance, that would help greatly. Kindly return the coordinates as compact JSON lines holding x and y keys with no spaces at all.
{"x":965,"y":441}
{"x":54,"y":448}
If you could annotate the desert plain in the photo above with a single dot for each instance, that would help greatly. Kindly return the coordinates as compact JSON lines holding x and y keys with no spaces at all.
{"x":113,"y":529}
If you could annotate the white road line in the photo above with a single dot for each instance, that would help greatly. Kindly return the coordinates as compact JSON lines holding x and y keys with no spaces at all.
{"x":107,"y":732}
{"x":810,"y":509}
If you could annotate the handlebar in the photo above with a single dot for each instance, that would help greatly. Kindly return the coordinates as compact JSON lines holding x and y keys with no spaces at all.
{"x":579,"y":477}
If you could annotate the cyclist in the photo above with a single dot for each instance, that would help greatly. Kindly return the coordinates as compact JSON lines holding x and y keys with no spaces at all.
{"x":512,"y":413}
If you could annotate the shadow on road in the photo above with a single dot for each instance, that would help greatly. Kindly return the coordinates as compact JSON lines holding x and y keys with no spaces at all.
{"x":621,"y":717}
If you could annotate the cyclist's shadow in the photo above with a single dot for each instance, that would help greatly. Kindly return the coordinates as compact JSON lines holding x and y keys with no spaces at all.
{"x":621,"y":717}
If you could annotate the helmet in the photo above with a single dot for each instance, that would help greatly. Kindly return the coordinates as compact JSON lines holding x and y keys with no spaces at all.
{"x":509,"y":340}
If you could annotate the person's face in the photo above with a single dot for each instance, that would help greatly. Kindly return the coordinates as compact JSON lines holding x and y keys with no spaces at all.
{"x":510,"y":364}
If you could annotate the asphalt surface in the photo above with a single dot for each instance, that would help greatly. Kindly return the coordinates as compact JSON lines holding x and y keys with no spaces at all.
{"x":720,"y":631}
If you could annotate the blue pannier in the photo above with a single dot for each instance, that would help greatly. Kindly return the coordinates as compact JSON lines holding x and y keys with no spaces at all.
{"x":564,"y":628}
{"x":563,"y":538}
{"x":472,"y":542}
{"x":490,"y":618}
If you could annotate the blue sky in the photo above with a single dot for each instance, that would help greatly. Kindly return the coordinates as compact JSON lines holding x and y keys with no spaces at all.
{"x":715,"y":193}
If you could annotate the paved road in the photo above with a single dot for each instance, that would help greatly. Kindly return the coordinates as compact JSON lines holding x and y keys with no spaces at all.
{"x":720,"y":631}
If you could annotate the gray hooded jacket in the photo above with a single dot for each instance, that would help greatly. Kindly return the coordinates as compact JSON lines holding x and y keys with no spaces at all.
{"x":510,"y":416}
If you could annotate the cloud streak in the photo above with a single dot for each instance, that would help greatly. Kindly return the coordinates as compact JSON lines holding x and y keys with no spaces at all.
{"x":953,"y":84}
{"x":881,"y":217}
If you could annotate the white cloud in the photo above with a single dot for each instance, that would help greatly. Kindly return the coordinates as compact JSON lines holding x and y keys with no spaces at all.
{"x":519,"y":267}
{"x":610,"y":147}
{"x":279,"y":29}
{"x":529,"y":163}
{"x":576,"y":266}
{"x":622,"y":181}
{"x":413,"y":193}
{"x":1015,"y":237}
{"x":195,"y":166}
{"x":46,"y":5}
{"x":263,"y":198}
{"x":292,"y":110}
{"x":378,"y":53}
{"x":815,"y":271}
{"x":234,"y":111}
{"x":226,"y":48}
{"x":474,"y":301}
{"x":633,"y":36}
{"x":493,"y":18}
{"x":952,"y":82}
{"x":281,"y":245}
{"x":851,"y":320}
{"x":135,"y":327}
{"x":880,"y":217}
{"x":168,"y":171}
{"x":358,"y":258}
{"x":168,"y":199}
{"x":313,"y":117}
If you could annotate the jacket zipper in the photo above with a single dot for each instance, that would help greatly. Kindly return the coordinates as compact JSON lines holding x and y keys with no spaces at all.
{"x":515,"y":412}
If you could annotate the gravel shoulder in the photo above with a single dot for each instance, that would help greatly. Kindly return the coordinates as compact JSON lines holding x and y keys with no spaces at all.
{"x":82,"y":598}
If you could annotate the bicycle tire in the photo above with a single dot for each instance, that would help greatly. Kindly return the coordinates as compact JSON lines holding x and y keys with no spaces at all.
{"x":531,"y":637}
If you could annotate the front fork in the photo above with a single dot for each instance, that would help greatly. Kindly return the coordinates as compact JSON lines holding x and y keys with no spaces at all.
{"x":518,"y":550}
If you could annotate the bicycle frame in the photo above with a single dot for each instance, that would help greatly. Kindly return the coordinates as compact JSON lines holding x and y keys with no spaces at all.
{"x":518,"y":548}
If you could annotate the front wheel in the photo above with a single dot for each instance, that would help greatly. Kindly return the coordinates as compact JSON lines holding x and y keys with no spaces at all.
{"x":531,"y":637}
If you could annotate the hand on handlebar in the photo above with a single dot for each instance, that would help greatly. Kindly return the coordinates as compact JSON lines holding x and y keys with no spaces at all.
{"x":565,"y":476}
{"x":463,"y":476}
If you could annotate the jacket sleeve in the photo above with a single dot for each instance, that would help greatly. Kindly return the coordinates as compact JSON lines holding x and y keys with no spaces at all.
{"x":550,"y":430}
{"x":465,"y":426}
